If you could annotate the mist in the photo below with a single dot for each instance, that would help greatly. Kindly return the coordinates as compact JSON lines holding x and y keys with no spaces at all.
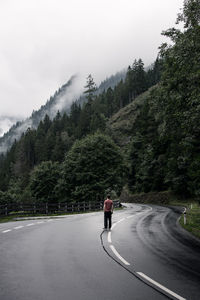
{"x":43,"y":43}
{"x":6,"y":122}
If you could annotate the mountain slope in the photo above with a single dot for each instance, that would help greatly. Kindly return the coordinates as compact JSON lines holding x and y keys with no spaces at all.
{"x":61,"y":101}
{"x":121,"y":124}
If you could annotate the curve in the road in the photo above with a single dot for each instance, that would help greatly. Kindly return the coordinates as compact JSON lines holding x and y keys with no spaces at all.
{"x":141,"y":276}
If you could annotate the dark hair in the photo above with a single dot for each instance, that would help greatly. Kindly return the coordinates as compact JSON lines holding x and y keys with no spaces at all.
{"x":108,"y":196}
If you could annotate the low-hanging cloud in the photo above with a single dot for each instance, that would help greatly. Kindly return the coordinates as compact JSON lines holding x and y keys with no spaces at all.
{"x":44,"y":42}
{"x":61,"y":101}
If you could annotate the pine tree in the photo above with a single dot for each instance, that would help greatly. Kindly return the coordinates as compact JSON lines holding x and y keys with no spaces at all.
{"x":90,"y":88}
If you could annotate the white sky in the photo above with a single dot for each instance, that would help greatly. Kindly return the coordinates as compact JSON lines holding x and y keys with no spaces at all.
{"x":44,"y":42}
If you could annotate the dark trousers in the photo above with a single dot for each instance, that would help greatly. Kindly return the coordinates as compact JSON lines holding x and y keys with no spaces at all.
{"x":107,"y":218}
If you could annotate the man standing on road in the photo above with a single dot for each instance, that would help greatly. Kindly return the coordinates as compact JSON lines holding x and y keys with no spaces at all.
{"x":108,"y":210}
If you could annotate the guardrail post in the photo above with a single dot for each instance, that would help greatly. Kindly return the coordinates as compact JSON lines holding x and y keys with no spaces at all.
{"x":34,"y":209}
{"x":6,"y":210}
{"x":46,"y":208}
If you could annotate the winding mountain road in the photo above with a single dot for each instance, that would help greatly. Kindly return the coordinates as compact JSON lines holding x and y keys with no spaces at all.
{"x":145,"y":256}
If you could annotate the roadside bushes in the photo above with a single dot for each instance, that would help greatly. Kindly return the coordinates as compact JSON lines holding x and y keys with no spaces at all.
{"x":93,"y":166}
{"x":152,"y":197}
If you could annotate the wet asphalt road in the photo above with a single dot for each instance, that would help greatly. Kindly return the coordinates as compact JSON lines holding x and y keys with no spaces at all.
{"x":64,"y":258}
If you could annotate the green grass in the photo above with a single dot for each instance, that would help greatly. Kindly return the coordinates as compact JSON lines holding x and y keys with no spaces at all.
{"x":192,"y":215}
{"x":192,"y":219}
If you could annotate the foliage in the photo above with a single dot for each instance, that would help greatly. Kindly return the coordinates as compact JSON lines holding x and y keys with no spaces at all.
{"x":90,"y":87}
{"x":43,"y":181}
{"x":93,"y":165}
{"x":5,"y":198}
{"x":165,"y":142}
{"x":192,"y":219}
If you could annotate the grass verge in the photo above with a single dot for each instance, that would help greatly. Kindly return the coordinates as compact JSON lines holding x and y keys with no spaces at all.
{"x":192,"y":219}
{"x":192,"y":215}
{"x":169,"y":199}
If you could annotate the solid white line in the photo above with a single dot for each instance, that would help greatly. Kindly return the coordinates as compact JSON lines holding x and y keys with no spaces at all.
{"x":129,"y":217}
{"x":18,"y":227}
{"x":40,"y":222}
{"x":6,"y":230}
{"x":109,"y":237}
{"x":114,"y":225}
{"x":31,"y":224}
{"x":49,"y":220}
{"x":150,"y":208}
{"x":119,"y":256}
{"x":121,"y":220}
{"x":161,"y":286}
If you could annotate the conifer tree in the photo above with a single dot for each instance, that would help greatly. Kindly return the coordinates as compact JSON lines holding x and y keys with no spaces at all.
{"x":90,"y":88}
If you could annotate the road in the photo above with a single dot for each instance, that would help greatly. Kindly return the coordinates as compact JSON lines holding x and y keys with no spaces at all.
{"x":145,"y":256}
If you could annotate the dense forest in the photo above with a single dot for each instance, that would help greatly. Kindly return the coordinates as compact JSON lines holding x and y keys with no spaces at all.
{"x":77,"y":157}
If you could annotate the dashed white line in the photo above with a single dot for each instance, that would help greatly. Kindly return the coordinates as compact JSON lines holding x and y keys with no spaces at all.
{"x":109,"y":237}
{"x":18,"y":227}
{"x":28,"y":225}
{"x":155,"y":283}
{"x":8,"y":230}
{"x":160,"y":286}
{"x":119,"y":256}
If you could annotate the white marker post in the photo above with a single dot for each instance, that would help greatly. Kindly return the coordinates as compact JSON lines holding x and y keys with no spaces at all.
{"x":184,"y":217}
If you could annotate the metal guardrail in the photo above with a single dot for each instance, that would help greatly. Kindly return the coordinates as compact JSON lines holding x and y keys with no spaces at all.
{"x":51,"y":208}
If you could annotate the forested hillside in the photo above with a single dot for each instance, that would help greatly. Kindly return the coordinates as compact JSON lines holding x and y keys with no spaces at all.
{"x":144,"y":132}
{"x":54,"y":138}
{"x":60,"y":101}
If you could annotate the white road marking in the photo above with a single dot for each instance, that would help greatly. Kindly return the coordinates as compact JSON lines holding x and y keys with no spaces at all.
{"x":114,"y":225}
{"x":119,"y":256}
{"x":109,"y":237}
{"x":28,"y":225}
{"x":120,"y":220}
{"x":140,"y":273}
{"x":150,"y":208}
{"x":18,"y":227}
{"x":8,"y":230}
{"x":160,"y":286}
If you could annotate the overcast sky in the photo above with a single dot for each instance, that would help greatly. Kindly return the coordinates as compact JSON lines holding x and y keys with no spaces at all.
{"x":44,"y":42}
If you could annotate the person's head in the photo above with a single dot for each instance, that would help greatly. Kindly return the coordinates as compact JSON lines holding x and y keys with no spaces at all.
{"x":108,"y":196}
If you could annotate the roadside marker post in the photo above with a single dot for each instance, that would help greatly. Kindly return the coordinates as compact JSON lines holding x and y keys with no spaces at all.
{"x":184,"y":217}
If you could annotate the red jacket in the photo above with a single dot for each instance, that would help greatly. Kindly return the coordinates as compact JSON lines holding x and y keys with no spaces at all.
{"x":108,"y":204}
